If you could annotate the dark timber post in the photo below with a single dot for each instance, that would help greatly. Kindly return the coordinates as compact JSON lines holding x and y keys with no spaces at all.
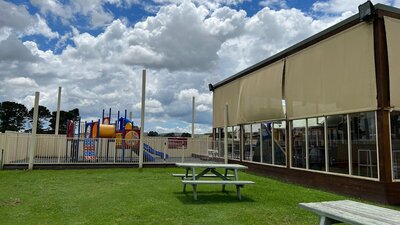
{"x":382,"y":87}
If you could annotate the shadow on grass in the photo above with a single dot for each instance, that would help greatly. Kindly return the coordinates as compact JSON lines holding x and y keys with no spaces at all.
{"x":210,"y":197}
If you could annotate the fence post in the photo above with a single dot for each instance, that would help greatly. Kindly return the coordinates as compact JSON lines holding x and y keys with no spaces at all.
{"x":32,"y":148}
{"x":183,"y":154}
{"x":58,"y":111}
{"x":2,"y":159}
{"x":226,"y":134}
{"x":142,"y":119}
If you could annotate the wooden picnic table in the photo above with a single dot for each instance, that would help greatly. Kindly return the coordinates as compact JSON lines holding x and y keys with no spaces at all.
{"x":209,"y":170}
{"x":352,"y":212}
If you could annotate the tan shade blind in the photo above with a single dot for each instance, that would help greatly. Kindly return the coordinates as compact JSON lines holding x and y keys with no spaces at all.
{"x":334,"y":76}
{"x":260,"y":97}
{"x":227,"y":94}
{"x":393,"y":45}
{"x":252,"y":98}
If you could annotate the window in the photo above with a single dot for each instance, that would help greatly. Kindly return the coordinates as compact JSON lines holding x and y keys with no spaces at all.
{"x":316,"y":143}
{"x":337,"y":144}
{"x":247,"y":151}
{"x":266,"y":133}
{"x":363,"y":144}
{"x":299,"y":143}
{"x":236,"y":142}
{"x":255,"y":142}
{"x":279,"y":137}
{"x":395,"y":134}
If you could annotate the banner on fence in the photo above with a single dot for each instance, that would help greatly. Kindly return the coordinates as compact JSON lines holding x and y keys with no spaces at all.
{"x":177,"y":142}
{"x":89,"y":149}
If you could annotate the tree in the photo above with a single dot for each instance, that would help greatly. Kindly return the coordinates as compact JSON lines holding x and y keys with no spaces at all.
{"x":64,"y":117}
{"x":169,"y":135}
{"x":12,"y":116}
{"x":153,"y":134}
{"x":43,"y":119}
{"x":186,"y":135}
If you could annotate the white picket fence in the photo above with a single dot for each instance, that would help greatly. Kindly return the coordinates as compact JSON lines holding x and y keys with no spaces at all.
{"x":52,"y":149}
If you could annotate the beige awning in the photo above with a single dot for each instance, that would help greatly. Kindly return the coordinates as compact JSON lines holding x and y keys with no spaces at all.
{"x":227,"y":94}
{"x":334,"y":76}
{"x":260,"y":97}
{"x":252,"y":98}
{"x":393,"y":36}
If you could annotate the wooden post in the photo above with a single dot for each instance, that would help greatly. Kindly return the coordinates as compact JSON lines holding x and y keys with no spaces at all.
{"x":58,"y":111}
{"x":142,"y":119}
{"x":382,"y":88}
{"x":226,"y":134}
{"x":193,"y":108}
{"x":32,"y":148}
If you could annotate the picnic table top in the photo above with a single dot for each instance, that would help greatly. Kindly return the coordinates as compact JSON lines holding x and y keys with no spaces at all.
{"x":211,"y":165}
{"x":354,"y":212}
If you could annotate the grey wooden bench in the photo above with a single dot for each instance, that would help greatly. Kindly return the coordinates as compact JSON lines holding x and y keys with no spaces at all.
{"x":182,"y":175}
{"x":352,"y":212}
{"x":239,"y":184}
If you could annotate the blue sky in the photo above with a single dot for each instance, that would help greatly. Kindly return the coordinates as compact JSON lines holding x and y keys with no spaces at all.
{"x":96,"y":50}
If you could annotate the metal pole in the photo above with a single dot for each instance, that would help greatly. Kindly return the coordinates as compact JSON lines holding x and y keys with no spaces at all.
{"x":226,"y":134}
{"x":58,"y":111}
{"x":142,"y":119}
{"x":34,"y":128}
{"x":193,"y":108}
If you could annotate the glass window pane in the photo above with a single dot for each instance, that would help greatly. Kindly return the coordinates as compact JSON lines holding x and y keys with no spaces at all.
{"x":247,"y":142}
{"x":266,"y":130}
{"x":256,"y":144}
{"x":236,"y":142}
{"x":230,"y":142}
{"x":299,"y":143}
{"x":395,"y":130}
{"x":316,"y":143}
{"x":221,"y":143}
{"x":337,"y":144}
{"x":280,"y":143}
{"x":363,"y":144}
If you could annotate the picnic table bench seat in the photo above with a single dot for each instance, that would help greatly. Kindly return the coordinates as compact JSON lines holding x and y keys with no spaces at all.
{"x":351,"y":212}
{"x":238,"y":183}
{"x":205,"y":175}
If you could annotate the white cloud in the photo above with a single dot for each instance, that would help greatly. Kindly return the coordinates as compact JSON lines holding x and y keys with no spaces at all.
{"x":42,"y":28}
{"x":17,"y":18}
{"x":20,"y":82}
{"x":341,"y":6}
{"x":274,"y":3}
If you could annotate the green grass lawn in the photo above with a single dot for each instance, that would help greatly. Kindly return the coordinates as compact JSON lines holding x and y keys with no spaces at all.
{"x":149,"y":196}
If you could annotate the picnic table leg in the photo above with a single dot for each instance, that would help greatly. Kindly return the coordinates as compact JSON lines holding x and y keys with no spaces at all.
{"x":195,"y":191}
{"x":186,"y":175}
{"x":226,"y":176}
{"x":238,"y":192}
{"x":327,"y":221}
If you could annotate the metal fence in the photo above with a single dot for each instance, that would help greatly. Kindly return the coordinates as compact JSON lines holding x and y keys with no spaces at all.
{"x":52,"y":149}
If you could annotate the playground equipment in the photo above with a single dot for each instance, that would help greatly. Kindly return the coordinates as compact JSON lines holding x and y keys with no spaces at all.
{"x":98,"y":137}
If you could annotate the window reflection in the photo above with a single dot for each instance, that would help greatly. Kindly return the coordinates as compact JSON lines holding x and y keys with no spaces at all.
{"x":299,"y":143}
{"x":266,"y":130}
{"x":363,"y":144}
{"x":316,"y":143}
{"x":279,"y":134}
{"x":395,"y":134}
{"x":337,"y":144}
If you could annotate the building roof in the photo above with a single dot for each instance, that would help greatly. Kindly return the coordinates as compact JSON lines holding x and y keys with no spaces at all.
{"x":349,"y":22}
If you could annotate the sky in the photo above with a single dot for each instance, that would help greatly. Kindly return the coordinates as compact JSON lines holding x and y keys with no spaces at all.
{"x":96,"y":50}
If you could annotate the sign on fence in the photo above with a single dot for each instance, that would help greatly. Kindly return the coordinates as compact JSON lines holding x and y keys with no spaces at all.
{"x":177,"y":142}
{"x":89,"y":149}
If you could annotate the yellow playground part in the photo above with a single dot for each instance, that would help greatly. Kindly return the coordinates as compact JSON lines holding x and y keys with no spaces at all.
{"x":106,"y":131}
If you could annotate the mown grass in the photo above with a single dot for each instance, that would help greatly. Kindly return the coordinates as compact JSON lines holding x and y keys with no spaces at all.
{"x":148,"y":196}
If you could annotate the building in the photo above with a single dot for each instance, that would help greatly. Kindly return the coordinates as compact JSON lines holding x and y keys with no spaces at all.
{"x":323,"y":113}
